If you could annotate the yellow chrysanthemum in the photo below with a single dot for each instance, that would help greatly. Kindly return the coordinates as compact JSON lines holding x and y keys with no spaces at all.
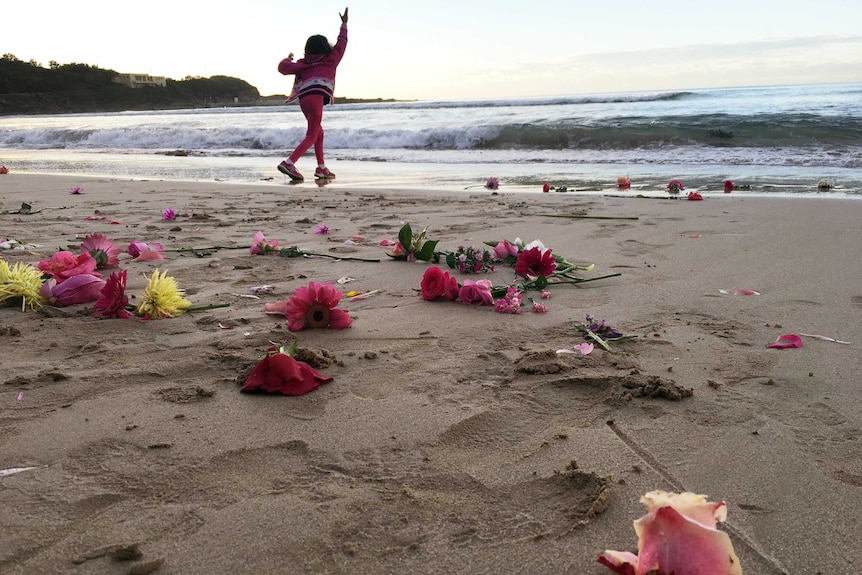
{"x":21,"y":280}
{"x":162,"y":298}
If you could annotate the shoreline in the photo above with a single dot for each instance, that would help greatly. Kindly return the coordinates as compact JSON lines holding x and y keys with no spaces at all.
{"x":448,"y":434}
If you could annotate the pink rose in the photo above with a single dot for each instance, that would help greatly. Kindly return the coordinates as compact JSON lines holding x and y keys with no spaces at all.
{"x":504,"y":249}
{"x":64,"y":265}
{"x":450,"y":287}
{"x":82,"y":288}
{"x":476,"y":293}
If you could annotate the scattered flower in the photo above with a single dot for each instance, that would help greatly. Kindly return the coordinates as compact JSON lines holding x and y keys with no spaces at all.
{"x":546,"y":294}
{"x":3,"y":170}
{"x":624,"y":183}
{"x":314,"y":306}
{"x":76,"y":191}
{"x":539,"y":307}
{"x":694,"y":196}
{"x":262,"y":246}
{"x":146,"y":252}
{"x":64,"y":265}
{"x":786,"y":341}
{"x":492,"y":183}
{"x":23,"y":281}
{"x":535,"y":262}
{"x":511,"y":303}
{"x":113,"y":301}
{"x":675,"y":187}
{"x":728,"y":186}
{"x":678,"y":535}
{"x":169,"y":214}
{"x":546,"y":187}
{"x":279,"y":372}
{"x":162,"y":298}
{"x":77,"y":289}
{"x":321,"y":229}
{"x":599,"y":332}
{"x":20,"y":395}
{"x":103,"y":251}
{"x":411,"y":247}
{"x":469,"y":260}
{"x":437,"y":283}
{"x":261,"y":289}
{"x":745,"y":292}
{"x":476,"y":293}
{"x":505,"y":250}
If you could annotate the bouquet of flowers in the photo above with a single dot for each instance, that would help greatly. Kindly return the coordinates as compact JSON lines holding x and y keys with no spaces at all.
{"x":411,"y":247}
{"x":471,"y":260}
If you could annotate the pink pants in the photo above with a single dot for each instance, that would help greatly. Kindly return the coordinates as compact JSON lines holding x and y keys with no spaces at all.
{"x":312,"y":107}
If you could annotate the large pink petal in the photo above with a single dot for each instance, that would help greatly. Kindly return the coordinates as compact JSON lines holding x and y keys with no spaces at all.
{"x":621,"y":562}
{"x":275,"y":308}
{"x":787,"y":341}
{"x":149,"y":255}
{"x":340,"y":319}
{"x":672,"y":543}
{"x":78,"y":289}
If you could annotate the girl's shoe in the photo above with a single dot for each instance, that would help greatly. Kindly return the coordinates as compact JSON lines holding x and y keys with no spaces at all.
{"x":289,"y":169}
{"x":323,"y":174}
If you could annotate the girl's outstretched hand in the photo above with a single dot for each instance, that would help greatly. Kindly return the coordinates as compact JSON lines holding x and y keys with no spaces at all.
{"x":343,"y":16}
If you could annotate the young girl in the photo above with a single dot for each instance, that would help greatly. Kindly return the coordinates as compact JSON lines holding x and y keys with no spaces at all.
{"x":314,"y":86}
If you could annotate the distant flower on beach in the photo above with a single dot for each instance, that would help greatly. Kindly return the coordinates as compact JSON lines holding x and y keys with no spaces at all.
{"x":83,"y":288}
{"x":492,"y":183}
{"x":786,"y":341}
{"x":546,"y":294}
{"x":261,"y":246}
{"x":437,"y":283}
{"x":694,"y":196}
{"x":678,"y":535}
{"x":112,"y":299}
{"x":76,"y":191}
{"x":510,"y":303}
{"x":279,"y":372}
{"x":546,"y":187}
{"x":539,"y":307}
{"x":728,"y":186}
{"x":624,"y":183}
{"x":23,"y":281}
{"x":535,"y":262}
{"x":169,"y":214}
{"x":674,"y":187}
{"x":824,"y":185}
{"x":162,"y":298}
{"x":599,"y":332}
{"x":3,"y":170}
{"x":64,"y":265}
{"x":315,"y":306}
{"x":321,"y":228}
{"x":102,"y":249}
{"x":476,"y":293}
{"x":145,"y":252}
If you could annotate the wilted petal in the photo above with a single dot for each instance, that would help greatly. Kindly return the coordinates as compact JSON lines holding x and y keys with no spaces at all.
{"x":786,"y":341}
{"x":77,"y":289}
{"x":275,"y":308}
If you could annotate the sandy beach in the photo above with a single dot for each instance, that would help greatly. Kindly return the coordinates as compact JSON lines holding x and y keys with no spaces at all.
{"x":452,"y":439}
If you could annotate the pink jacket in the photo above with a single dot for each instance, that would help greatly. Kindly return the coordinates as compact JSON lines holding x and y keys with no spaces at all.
{"x":316,"y":74}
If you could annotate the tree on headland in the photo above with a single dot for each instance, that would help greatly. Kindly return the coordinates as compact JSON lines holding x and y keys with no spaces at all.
{"x":29,"y":88}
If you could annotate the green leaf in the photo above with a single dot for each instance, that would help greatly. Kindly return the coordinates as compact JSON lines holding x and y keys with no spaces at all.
{"x":405,"y":237}
{"x":450,"y":260}
{"x":427,"y":250}
{"x":541,"y":282}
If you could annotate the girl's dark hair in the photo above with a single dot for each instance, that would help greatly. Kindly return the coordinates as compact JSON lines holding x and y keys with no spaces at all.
{"x":317,"y":45}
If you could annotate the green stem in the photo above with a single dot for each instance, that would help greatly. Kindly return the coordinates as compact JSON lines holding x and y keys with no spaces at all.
{"x":208,"y":249}
{"x":207,"y":306}
{"x":595,"y":337}
{"x":576,"y":280}
{"x":309,"y":255}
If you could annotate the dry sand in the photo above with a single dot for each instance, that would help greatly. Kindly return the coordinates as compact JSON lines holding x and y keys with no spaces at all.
{"x":452,"y":439}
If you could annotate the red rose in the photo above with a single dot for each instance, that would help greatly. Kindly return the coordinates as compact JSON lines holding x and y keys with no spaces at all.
{"x":433,"y":283}
{"x":450,"y":287}
{"x":535,"y":262}
{"x":280,"y":373}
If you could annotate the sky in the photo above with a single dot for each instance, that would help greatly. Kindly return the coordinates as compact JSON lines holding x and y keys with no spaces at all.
{"x":457,"y":49}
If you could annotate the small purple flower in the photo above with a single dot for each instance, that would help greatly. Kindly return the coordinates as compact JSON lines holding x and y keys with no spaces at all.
{"x":321,"y":229}
{"x":169,"y":214}
{"x":76,"y":190}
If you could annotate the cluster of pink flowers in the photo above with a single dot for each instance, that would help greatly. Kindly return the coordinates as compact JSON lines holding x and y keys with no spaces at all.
{"x":510,"y":303}
{"x":262,"y":246}
{"x":439,"y":284}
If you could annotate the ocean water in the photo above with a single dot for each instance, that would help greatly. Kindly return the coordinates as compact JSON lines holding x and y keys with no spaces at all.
{"x":772,"y":140}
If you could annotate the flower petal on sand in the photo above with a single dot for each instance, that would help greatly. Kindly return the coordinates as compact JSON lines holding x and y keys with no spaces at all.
{"x":786,"y":341}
